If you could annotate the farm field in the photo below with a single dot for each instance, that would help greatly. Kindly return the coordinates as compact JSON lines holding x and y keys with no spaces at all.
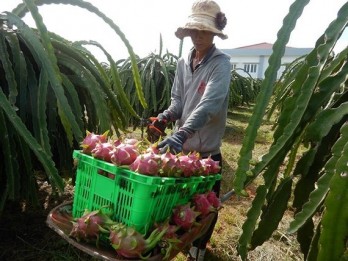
{"x":29,"y":238}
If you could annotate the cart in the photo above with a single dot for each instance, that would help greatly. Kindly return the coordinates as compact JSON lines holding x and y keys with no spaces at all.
{"x":60,"y":217}
{"x":137,"y":200}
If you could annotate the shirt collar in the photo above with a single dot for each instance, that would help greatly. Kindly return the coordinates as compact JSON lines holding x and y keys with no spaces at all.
{"x":206,"y":57}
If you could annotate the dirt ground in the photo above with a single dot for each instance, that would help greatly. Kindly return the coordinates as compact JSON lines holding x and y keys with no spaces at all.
{"x":26,"y":236}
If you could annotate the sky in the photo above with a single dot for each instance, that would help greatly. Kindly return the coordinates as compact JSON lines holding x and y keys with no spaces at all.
{"x":143,"y":21}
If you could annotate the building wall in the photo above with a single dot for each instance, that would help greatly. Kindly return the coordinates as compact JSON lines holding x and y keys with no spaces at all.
{"x":241,"y":64}
{"x":285,"y":61}
{"x":254,"y":59}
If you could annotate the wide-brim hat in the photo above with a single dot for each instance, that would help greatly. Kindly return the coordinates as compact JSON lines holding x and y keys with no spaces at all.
{"x":207,"y":16}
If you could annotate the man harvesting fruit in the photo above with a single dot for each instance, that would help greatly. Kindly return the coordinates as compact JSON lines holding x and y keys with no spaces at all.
{"x":199,"y":96}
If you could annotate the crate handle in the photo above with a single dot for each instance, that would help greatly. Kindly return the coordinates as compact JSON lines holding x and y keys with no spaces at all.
{"x":106,"y":174}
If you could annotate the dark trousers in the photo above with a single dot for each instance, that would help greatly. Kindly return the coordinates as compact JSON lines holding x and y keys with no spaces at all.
{"x":203,"y":240}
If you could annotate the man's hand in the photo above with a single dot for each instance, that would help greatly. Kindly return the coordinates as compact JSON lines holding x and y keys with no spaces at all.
{"x":173,"y":143}
{"x":163,"y":117}
{"x":156,"y":129}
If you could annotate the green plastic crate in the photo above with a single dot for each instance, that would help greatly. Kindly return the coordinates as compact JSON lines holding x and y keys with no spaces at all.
{"x":134,"y":199}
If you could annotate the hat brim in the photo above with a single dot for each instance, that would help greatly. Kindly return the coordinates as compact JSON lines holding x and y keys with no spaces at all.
{"x":182,"y":32}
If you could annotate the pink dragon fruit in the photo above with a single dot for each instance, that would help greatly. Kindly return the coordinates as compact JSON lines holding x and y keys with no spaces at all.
{"x":131,"y":141}
{"x":152,"y":148}
{"x":197,"y":164}
{"x":213,"y":199}
{"x":116,"y":142}
{"x":91,"y":140}
{"x":170,"y":239}
{"x":147,"y":164}
{"x":123,"y":154}
{"x":186,"y":165}
{"x":170,"y":230}
{"x":169,"y":165}
{"x":210,"y":166}
{"x":202,"y":204}
{"x":102,"y":151}
{"x":131,"y":244}
{"x":90,"y":225}
{"x":184,"y":216}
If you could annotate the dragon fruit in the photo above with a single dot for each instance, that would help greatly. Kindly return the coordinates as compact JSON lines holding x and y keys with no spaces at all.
{"x":91,"y":140}
{"x":90,"y":225}
{"x":102,"y":151}
{"x":123,"y":154}
{"x":170,"y":231}
{"x":197,"y":164}
{"x":169,"y":165}
{"x":184,"y":216}
{"x":116,"y":142}
{"x":131,"y":244}
{"x":191,"y":164}
{"x":170,"y":239}
{"x":186,"y":165}
{"x":210,"y":166}
{"x":213,"y":199}
{"x":147,"y":164}
{"x":130,"y":141}
{"x":152,"y":148}
{"x":202,"y":204}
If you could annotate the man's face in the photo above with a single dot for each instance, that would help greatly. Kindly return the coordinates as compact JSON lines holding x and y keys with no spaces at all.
{"x":202,"y":40}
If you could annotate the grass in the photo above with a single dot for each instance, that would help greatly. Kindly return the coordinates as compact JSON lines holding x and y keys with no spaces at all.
{"x":224,"y":241}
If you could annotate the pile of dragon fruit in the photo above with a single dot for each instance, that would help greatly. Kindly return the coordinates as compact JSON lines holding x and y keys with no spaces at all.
{"x":144,"y":158}
{"x":128,"y":243}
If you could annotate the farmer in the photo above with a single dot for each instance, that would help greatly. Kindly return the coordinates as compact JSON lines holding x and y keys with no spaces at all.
{"x":199,"y":96}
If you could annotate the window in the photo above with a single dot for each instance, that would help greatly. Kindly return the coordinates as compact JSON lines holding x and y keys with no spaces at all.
{"x":250,"y":67}
{"x":234,"y":66}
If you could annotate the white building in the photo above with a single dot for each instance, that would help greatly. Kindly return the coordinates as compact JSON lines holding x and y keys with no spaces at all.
{"x":253,"y":59}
